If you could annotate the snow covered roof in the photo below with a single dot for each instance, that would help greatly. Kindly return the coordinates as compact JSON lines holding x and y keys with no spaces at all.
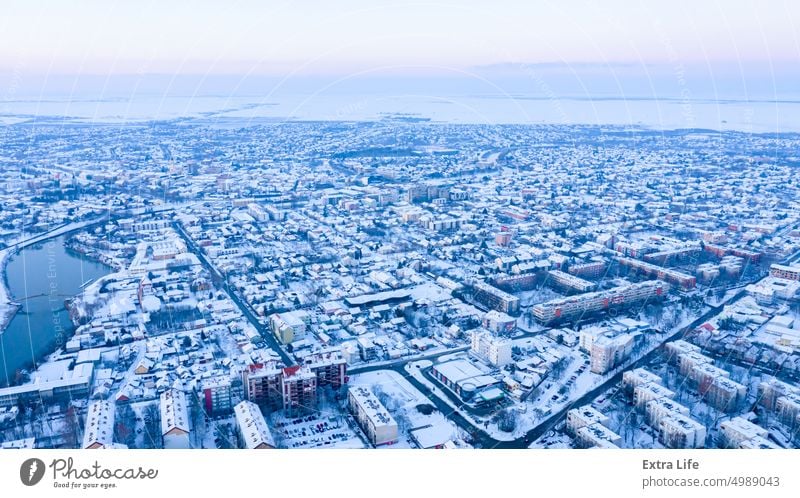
{"x":370,"y":405}
{"x":99,"y":425}
{"x":174,"y":413}
{"x":432,"y":436}
{"x":252,"y":426}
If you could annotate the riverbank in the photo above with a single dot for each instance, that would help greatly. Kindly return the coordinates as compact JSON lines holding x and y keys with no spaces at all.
{"x":42,"y":280}
{"x":77,"y":249}
{"x":8,"y":308}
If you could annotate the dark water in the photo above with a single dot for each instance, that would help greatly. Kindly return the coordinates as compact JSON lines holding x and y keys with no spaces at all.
{"x":41,"y":278}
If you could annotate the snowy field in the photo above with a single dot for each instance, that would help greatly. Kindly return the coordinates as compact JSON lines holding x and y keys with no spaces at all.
{"x":402,"y":399}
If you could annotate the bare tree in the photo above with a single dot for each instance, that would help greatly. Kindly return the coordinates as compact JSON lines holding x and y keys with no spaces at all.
{"x":225,"y":436}
{"x":152,"y":426}
{"x":72,"y":427}
{"x":125,"y":425}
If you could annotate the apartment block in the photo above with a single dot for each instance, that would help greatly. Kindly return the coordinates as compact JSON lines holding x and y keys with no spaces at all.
{"x":645,"y":393}
{"x":737,"y":430}
{"x":251,"y":427}
{"x":215,"y":395}
{"x":680,"y":431}
{"x":373,"y":418}
{"x":657,"y":409}
{"x":495,"y":350}
{"x":174,"y":420}
{"x":99,"y":428}
{"x":578,"y":418}
{"x":597,"y":436}
{"x":594,"y":302}
{"x":633,"y":378}
{"x":299,"y":389}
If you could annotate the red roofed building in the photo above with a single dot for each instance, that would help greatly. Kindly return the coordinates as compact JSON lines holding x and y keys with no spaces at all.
{"x":299,"y":389}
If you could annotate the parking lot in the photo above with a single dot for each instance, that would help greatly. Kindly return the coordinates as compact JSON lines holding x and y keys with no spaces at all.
{"x":316,"y":431}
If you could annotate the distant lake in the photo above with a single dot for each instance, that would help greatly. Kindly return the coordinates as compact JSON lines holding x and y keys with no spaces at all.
{"x":756,"y":116}
{"x":46,"y":274}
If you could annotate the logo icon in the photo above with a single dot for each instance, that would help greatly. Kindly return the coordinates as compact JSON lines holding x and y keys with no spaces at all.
{"x":31,"y":471}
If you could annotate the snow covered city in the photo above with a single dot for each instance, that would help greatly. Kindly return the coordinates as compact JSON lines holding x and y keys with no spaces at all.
{"x":399,"y":226}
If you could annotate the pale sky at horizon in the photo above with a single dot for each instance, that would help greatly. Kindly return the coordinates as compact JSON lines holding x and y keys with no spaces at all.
{"x":343,"y":37}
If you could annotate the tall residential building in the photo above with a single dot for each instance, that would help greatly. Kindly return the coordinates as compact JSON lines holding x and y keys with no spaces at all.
{"x":666,"y":274}
{"x":645,"y":393}
{"x":609,"y":351}
{"x":564,"y":281}
{"x":494,"y":298}
{"x":676,"y":348}
{"x":298,"y":389}
{"x":290,"y":326}
{"x":588,"y":270}
{"x":496,"y":350}
{"x":737,"y":430}
{"x":788,"y":410}
{"x":330,"y":367}
{"x":785,"y":271}
{"x":689,"y":362}
{"x":770,"y":390}
{"x":262,"y":383}
{"x":583,"y":416}
{"x":597,"y":436}
{"x":680,"y":431}
{"x":656,"y":409}
{"x":725,"y":395}
{"x":497,"y":321}
{"x":633,"y":378}
{"x":215,"y":395}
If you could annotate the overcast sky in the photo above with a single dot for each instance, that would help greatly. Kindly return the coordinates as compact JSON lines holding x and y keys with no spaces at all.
{"x":397,"y":38}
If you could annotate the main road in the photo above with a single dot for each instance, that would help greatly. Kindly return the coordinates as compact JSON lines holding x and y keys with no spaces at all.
{"x":484,"y":439}
{"x":220,"y":279}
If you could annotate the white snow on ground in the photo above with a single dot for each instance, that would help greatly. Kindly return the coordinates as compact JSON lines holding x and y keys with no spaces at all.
{"x":415,"y":370}
{"x":402,"y":399}
{"x":430,"y":291}
{"x":714,"y":301}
